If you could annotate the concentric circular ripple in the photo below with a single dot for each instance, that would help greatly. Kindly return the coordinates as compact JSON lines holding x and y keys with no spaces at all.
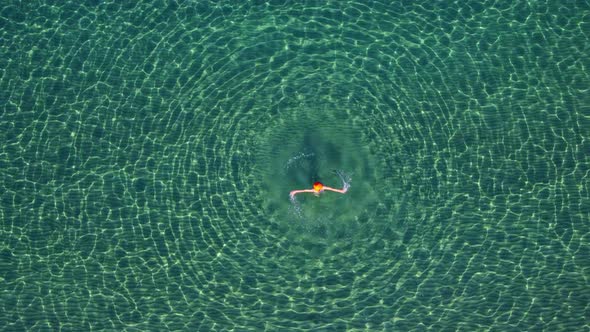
{"x":149,"y":151}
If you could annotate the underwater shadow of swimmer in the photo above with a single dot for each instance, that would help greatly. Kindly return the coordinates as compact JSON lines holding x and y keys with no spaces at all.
{"x":317,"y":153}
{"x":305,"y":167}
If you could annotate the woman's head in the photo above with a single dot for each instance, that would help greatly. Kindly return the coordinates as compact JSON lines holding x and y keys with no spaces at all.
{"x":318,"y":187}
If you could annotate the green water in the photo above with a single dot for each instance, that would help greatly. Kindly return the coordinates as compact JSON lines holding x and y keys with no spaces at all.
{"x":147,"y":151}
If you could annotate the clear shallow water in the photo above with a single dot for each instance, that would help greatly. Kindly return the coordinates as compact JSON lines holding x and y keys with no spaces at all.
{"x":148,"y":151}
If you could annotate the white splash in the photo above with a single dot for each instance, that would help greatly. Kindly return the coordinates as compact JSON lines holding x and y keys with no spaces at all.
{"x":345,"y":178}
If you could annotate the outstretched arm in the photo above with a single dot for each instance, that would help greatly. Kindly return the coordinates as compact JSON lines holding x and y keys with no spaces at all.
{"x":342,"y":191}
{"x":295,"y":192}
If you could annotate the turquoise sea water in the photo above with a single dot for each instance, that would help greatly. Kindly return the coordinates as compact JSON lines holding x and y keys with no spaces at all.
{"x":147,"y":150}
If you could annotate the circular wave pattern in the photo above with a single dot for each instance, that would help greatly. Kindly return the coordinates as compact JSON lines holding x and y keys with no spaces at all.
{"x":149,"y":151}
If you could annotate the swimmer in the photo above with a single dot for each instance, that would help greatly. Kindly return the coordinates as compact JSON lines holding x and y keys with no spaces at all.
{"x":318,"y":188}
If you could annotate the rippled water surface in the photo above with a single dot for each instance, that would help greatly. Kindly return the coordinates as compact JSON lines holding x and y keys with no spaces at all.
{"x":147,"y":152}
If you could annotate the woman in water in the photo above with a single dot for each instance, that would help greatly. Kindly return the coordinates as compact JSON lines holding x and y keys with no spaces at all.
{"x":318,"y":188}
